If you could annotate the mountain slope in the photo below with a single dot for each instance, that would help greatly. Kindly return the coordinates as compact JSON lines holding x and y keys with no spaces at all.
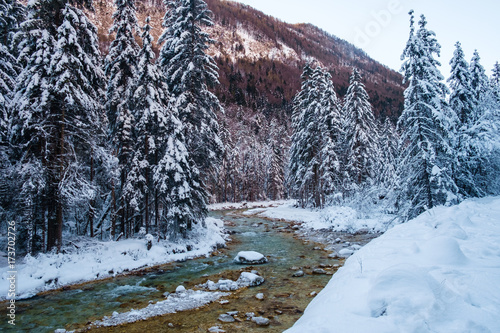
{"x":261,"y":58}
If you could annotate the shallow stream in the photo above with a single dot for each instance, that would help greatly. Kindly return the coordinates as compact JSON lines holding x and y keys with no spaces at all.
{"x":285,"y":297}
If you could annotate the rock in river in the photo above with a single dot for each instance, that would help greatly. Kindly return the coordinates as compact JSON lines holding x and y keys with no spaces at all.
{"x":261,"y":321}
{"x":225,"y":318}
{"x":298,"y":274}
{"x":250,"y":258}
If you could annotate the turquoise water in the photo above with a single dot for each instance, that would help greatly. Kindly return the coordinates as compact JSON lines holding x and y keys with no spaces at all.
{"x":74,"y":308}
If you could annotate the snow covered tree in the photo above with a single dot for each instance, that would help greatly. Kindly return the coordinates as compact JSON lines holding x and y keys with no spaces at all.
{"x":495,"y":81}
{"x":190,"y":72}
{"x":426,"y":155}
{"x":12,"y":13}
{"x":120,"y":68}
{"x":307,"y":139}
{"x":276,"y":177}
{"x":464,"y":101}
{"x":479,"y":79}
{"x":148,"y":104}
{"x":182,"y":196}
{"x":389,"y":137}
{"x":362,"y":155}
{"x":8,"y":76}
{"x":56,"y":112}
{"x":331,"y":121}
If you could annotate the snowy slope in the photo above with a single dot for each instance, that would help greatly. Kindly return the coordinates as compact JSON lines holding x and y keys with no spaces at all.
{"x":437,"y":273}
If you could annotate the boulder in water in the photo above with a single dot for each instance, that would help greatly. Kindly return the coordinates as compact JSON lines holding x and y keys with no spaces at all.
{"x":250,"y":258}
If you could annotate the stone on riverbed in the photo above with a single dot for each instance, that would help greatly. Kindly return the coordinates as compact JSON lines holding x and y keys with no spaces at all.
{"x":298,"y":274}
{"x":246,"y":279}
{"x":216,"y":329}
{"x":225,"y":318}
{"x":261,"y":321}
{"x":250,"y":258}
{"x":319,"y":271}
{"x":250,"y":279}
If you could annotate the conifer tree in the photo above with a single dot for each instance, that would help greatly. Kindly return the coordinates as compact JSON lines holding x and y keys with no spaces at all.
{"x":362,"y":156}
{"x":56,"y":114}
{"x":276,"y":178}
{"x":465,"y":104}
{"x":190,"y":72}
{"x":8,"y":76}
{"x":425,"y":158}
{"x":307,"y":139}
{"x":389,"y":153}
{"x":12,"y":13}
{"x":120,"y":68}
{"x":183,"y":198}
{"x":479,"y":79}
{"x":332,"y":135}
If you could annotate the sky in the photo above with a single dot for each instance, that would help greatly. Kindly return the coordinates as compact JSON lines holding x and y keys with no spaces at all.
{"x":381,"y":27}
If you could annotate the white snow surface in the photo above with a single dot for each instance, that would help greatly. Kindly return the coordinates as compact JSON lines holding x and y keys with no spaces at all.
{"x":335,"y":218}
{"x":247,"y":205}
{"x":250,"y":256}
{"x":97,"y":260}
{"x":180,"y":301}
{"x":439,"y":272}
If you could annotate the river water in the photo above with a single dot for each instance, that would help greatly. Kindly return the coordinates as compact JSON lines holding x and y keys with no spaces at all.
{"x":285,"y":297}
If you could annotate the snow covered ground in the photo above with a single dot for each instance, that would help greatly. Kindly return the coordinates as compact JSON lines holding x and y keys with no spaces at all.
{"x":335,"y":218}
{"x":179,"y":301}
{"x":437,"y":273}
{"x":248,"y":205}
{"x":97,"y":260}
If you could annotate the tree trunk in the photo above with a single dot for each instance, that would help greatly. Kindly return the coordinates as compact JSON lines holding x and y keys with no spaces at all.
{"x":146,"y":196}
{"x":91,"y":206}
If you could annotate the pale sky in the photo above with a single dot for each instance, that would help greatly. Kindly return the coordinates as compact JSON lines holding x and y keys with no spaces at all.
{"x":381,"y":27}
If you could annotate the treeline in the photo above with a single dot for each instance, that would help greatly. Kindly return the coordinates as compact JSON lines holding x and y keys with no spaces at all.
{"x":105,"y":147}
{"x":254,"y":161}
{"x":445,"y":149}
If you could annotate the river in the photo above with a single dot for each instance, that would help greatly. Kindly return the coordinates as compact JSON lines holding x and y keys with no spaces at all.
{"x":285,"y":297}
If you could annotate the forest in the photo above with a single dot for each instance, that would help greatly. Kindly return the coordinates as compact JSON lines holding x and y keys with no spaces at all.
{"x":140,"y":139}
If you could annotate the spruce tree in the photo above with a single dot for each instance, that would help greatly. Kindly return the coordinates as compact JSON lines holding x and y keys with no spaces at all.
{"x":8,"y":76}
{"x":362,"y":156}
{"x":306,"y":145}
{"x":464,"y":102}
{"x":180,"y":190}
{"x":148,"y":104}
{"x":12,"y":13}
{"x":190,"y":72}
{"x":479,"y":79}
{"x":332,"y":135}
{"x":276,"y":178}
{"x":120,"y":68}
{"x":55,"y":112}
{"x":389,"y":137}
{"x":426,"y":155}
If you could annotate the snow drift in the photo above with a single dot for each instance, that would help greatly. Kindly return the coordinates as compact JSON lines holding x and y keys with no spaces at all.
{"x":437,"y":273}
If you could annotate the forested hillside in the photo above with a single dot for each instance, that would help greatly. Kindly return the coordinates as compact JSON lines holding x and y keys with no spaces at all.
{"x":260,"y":58}
{"x":260,"y":61}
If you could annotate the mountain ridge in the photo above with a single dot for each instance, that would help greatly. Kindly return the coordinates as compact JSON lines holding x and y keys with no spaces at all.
{"x":260,"y":57}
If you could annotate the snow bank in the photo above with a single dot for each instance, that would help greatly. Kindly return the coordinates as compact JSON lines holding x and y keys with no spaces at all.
{"x":96,"y":260}
{"x":437,"y":273}
{"x":249,"y":205}
{"x":180,"y":301}
{"x":335,"y":218}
